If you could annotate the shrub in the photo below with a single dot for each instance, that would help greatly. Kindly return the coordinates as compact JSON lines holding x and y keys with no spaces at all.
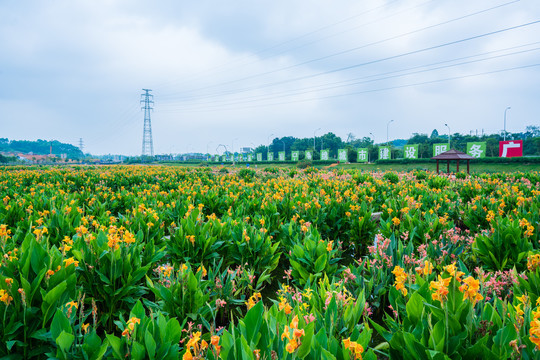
{"x":392,"y":178}
{"x":303,"y":164}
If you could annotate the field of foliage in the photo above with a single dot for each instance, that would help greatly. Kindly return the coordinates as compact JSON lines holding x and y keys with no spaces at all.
{"x":149,"y":262}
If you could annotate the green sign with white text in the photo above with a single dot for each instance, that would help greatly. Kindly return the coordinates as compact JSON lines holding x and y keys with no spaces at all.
{"x":362,"y":155}
{"x":281,"y":156}
{"x":309,"y":154}
{"x":384,"y":153}
{"x":325,"y":154}
{"x":295,"y":155}
{"x":270,"y":156}
{"x":410,"y":151}
{"x":259,"y":156}
{"x":439,"y":148}
{"x":476,"y":149}
{"x":342,"y":155}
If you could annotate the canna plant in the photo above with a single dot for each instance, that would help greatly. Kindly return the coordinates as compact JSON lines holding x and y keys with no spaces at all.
{"x":182,"y":293}
{"x":111,"y":270}
{"x":73,"y":336}
{"x":145,"y":336}
{"x":505,"y":248}
{"x":312,"y":258}
{"x":254,"y":248}
{"x":197,"y":241}
{"x":37,"y":281}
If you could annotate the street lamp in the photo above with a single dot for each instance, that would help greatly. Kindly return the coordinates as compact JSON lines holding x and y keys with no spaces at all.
{"x":387,"y":125}
{"x":373,"y":138}
{"x":504,"y":134}
{"x":268,"y":141}
{"x":208,"y":151}
{"x":233,"y":150}
{"x":314,"y":138}
{"x":448,"y":136}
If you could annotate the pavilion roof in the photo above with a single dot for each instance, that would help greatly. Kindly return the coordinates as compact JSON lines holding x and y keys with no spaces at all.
{"x":453,"y":155}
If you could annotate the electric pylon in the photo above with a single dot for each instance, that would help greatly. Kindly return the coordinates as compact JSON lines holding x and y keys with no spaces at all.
{"x":81,"y":144}
{"x":147,"y":144}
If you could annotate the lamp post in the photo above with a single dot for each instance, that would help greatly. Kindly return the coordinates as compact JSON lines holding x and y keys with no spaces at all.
{"x":373,"y":138}
{"x":314,"y":138}
{"x":504,"y":134}
{"x":233,"y":150}
{"x":387,"y":125}
{"x":208,"y":151}
{"x":448,"y":136}
{"x":268,"y":141}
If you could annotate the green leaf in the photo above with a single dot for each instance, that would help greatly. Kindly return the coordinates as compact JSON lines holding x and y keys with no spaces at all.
{"x":137,"y":311}
{"x":305,"y":348}
{"x":173,"y":332}
{"x":437,"y":339}
{"x":150,"y":344}
{"x":326,"y":355}
{"x":116,"y":345}
{"x":253,"y":321}
{"x":64,"y":341}
{"x":138,"y":351}
{"x":49,"y":301}
{"x":415,"y":307}
{"x":59,"y":323}
{"x":320,"y":263}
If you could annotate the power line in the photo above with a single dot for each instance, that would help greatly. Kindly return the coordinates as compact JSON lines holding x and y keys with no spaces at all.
{"x":261,"y":86}
{"x":261,"y":51}
{"x":374,"y":78}
{"x":357,"y":47}
{"x":379,"y":89}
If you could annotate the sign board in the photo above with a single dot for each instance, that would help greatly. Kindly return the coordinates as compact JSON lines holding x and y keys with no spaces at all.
{"x":476,"y":149}
{"x":295,"y":155}
{"x":342,"y":155}
{"x":240,"y":157}
{"x":325,"y":154}
{"x":223,"y":158}
{"x":309,"y":155}
{"x":250,"y":157}
{"x":270,"y":156}
{"x":259,"y":156}
{"x":362,"y":155}
{"x":511,"y":148}
{"x":281,"y":156}
{"x":439,"y":148}
{"x":410,"y":151}
{"x":384,"y":153}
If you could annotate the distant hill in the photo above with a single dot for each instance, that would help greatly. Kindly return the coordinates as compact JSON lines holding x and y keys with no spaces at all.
{"x":40,"y":147}
{"x":399,"y":142}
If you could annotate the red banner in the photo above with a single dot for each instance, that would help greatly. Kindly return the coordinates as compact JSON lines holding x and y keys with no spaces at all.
{"x":511,"y":148}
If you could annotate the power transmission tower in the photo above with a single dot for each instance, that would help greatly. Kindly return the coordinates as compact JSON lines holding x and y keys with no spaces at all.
{"x":81,"y":144}
{"x":147,"y":144}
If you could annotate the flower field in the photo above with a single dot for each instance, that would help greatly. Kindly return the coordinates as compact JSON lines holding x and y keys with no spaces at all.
{"x":169,"y":263}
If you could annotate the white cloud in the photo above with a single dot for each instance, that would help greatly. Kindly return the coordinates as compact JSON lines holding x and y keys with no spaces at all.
{"x":79,"y":66}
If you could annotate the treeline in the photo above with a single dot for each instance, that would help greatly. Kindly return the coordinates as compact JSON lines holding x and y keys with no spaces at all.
{"x":40,"y":147}
{"x":329,"y":141}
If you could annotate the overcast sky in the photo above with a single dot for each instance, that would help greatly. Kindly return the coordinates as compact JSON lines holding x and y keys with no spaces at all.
{"x":234,"y":72}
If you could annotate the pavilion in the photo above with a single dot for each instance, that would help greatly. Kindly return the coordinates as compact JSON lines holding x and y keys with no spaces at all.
{"x":452,"y":155}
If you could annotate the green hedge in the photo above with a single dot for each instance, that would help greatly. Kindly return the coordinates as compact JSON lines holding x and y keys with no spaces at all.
{"x":487,"y":160}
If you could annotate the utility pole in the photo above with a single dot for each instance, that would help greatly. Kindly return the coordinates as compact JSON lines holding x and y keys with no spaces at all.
{"x":147,"y":144}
